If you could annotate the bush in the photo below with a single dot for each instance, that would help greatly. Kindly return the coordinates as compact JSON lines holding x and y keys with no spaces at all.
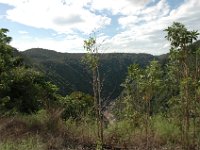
{"x":120,"y":132}
{"x":78,"y":105}
{"x":165,"y":129}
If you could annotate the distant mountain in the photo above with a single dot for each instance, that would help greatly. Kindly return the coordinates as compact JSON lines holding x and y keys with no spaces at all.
{"x":68,"y":72}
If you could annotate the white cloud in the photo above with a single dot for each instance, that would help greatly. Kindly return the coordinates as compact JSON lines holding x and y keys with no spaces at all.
{"x":73,"y":44}
{"x":140,"y":25}
{"x":22,"y":32}
{"x":145,"y":15}
{"x":188,"y":13}
{"x":128,"y":21}
{"x":124,"y":7}
{"x":144,"y":32}
{"x":51,"y":14}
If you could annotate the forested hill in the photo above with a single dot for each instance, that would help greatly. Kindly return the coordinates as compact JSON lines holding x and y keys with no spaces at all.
{"x":67,"y":71}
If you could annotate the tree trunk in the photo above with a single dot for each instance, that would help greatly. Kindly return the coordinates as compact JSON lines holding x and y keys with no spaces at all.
{"x":96,"y":101}
{"x":187,"y":100}
{"x":100,"y":105}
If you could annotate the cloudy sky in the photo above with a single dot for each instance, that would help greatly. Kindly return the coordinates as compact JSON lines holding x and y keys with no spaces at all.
{"x":134,"y":26}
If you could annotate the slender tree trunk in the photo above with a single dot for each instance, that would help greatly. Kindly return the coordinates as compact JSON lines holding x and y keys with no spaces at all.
{"x":182,"y":126}
{"x":92,"y":60}
{"x":146,"y":127}
{"x":187,"y":100}
{"x":96,"y":101}
{"x":100,"y":105}
{"x":147,"y":121}
{"x":195,"y":100}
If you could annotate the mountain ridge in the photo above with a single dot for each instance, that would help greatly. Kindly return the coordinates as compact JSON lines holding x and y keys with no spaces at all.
{"x":67,"y":71}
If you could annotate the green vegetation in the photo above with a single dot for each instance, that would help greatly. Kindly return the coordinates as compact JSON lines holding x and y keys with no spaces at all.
{"x":50,"y":101}
{"x":67,"y":71}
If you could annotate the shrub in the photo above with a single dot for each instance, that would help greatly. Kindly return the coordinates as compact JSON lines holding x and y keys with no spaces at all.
{"x":165,"y":129}
{"x":120,"y":131}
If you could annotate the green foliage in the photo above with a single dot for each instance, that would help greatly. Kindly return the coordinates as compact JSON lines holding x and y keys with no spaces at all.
{"x":184,"y":70}
{"x":22,"y":89}
{"x":91,"y":58}
{"x":179,"y":36}
{"x":148,"y":91}
{"x":67,"y":71}
{"x":141,"y":86}
{"x":3,"y":37}
{"x":5,"y":51}
{"x":78,"y":105}
{"x":49,"y":95}
{"x":182,"y":64}
{"x":22,"y":86}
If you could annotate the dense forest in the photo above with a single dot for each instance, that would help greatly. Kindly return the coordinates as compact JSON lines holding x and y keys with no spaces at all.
{"x":51,"y":100}
{"x":67,"y":71}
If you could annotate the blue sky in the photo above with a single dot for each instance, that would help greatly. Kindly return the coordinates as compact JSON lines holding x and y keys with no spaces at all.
{"x":134,"y":26}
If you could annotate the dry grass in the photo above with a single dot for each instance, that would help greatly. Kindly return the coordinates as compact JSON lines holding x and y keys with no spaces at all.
{"x":51,"y":132}
{"x":47,"y":131}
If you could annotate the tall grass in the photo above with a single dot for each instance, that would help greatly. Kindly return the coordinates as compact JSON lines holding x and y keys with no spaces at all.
{"x":83,"y":131}
{"x":166,"y":129}
{"x":47,"y":131}
{"x":30,"y":143}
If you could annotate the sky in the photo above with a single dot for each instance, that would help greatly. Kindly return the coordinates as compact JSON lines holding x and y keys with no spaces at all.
{"x":120,"y":26}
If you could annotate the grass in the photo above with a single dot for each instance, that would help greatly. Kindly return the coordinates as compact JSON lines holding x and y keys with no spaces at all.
{"x":30,"y":143}
{"x":47,"y":131}
{"x":84,"y":131}
{"x":166,"y":129}
{"x":120,"y":131}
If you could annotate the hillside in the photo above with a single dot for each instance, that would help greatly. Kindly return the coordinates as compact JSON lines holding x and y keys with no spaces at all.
{"x":68,"y":72}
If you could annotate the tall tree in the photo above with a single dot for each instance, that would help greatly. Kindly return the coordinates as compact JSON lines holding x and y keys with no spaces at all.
{"x":92,"y":60}
{"x":180,"y":39}
{"x":142,"y":85}
{"x":150,"y":85}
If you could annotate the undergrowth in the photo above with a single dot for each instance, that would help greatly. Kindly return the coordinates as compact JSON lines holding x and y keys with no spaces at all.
{"x":48,"y":131}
